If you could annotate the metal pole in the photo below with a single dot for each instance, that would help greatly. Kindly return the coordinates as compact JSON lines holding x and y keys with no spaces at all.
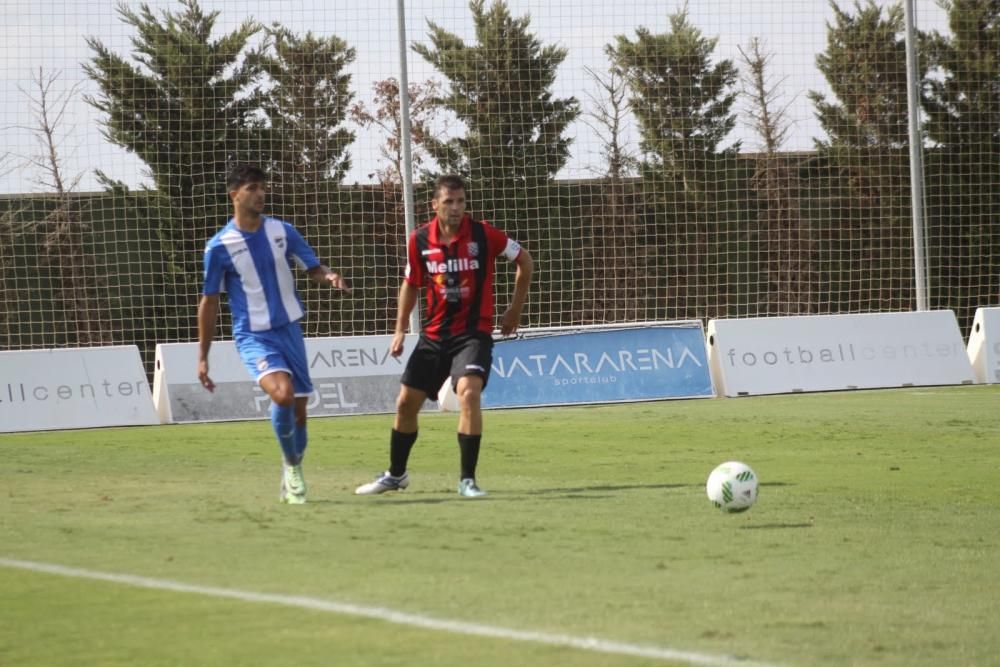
{"x":916,"y":159}
{"x":404,"y":126}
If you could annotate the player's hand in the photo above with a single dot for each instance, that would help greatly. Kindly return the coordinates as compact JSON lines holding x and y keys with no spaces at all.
{"x":396,"y":346}
{"x":206,"y":381}
{"x":337,"y":281}
{"x":509,"y":322}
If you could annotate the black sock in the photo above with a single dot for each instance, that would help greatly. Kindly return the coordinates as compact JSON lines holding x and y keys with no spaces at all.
{"x":469,"y":447}
{"x":400,"y":445}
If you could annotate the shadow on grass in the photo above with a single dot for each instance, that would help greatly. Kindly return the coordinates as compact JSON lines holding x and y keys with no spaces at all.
{"x":605,"y":488}
{"x":596,"y":492}
{"x":776,"y":526}
{"x":410,"y":498}
{"x":438,"y":496}
{"x":565,"y":493}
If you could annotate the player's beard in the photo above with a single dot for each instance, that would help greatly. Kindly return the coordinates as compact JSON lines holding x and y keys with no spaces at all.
{"x":451,"y":222}
{"x":254,"y":207}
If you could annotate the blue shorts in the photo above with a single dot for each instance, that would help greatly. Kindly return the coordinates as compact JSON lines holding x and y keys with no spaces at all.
{"x":282,"y":349}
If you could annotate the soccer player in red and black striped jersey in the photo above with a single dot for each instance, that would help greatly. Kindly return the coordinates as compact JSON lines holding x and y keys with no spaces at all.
{"x":452,"y":258}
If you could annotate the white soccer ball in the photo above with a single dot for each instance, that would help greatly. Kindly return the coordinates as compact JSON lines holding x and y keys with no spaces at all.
{"x":732,"y":487}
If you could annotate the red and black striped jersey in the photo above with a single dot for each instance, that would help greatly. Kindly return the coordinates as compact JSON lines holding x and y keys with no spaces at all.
{"x":457,"y":275}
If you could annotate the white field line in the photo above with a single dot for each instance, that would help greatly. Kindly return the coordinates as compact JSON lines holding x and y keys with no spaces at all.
{"x":592,"y":644}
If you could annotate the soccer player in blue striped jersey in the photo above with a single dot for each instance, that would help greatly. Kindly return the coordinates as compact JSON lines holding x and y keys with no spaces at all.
{"x":251,"y":259}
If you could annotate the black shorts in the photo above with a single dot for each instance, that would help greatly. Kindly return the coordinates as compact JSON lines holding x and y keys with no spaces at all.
{"x":432,"y":361}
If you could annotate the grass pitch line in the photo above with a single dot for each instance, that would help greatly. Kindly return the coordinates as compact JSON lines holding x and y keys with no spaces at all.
{"x":592,"y":644}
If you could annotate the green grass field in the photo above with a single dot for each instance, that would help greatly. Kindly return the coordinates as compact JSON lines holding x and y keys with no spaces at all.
{"x":874,"y":540}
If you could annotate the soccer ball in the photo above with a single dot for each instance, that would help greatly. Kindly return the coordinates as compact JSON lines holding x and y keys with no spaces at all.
{"x":732,"y":487}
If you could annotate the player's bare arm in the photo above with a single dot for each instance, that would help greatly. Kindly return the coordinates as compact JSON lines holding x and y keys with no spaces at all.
{"x":208,"y":313}
{"x":511,"y":318}
{"x":407,"y":302}
{"x":325,"y":276}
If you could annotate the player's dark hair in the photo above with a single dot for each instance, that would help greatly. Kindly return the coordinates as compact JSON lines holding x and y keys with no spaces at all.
{"x":448,"y":182}
{"x":243,"y":174}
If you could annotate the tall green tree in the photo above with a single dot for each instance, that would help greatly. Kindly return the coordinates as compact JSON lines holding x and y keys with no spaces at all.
{"x":865,"y":65}
{"x":189,"y":106}
{"x":681,"y":98}
{"x":308,"y":95}
{"x":963,"y":164}
{"x":500,"y":89}
{"x":869,"y":253}
{"x":963,"y":101}
{"x":306,"y":104}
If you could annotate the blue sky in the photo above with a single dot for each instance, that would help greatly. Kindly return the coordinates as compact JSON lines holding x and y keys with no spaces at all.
{"x":51,"y":35}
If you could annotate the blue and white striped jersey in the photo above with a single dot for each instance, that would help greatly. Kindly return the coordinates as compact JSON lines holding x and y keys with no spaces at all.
{"x":255,"y":270}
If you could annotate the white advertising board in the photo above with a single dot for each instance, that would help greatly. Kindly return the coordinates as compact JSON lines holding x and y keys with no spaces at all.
{"x":351,"y":375}
{"x":984,"y":345}
{"x":776,"y":355}
{"x":73,"y":388}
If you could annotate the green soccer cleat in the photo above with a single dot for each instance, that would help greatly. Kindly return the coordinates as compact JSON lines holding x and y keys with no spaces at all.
{"x":467,"y":489}
{"x":292,"y":499}
{"x":293,"y":485}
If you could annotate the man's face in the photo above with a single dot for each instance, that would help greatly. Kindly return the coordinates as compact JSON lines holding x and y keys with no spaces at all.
{"x":449,"y":205}
{"x":250,"y":197}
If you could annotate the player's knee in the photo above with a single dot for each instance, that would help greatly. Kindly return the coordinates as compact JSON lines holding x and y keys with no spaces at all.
{"x":283,"y":396}
{"x":408,"y":402}
{"x":469,"y":393}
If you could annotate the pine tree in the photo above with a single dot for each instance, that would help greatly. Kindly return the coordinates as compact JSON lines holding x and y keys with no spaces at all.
{"x":683,"y":101}
{"x":308,"y":94}
{"x":865,"y":65}
{"x":500,"y":89}
{"x":867,"y":153}
{"x":189,"y":106}
{"x":964,"y":100}
{"x":307,"y":106}
{"x":963,"y":167}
